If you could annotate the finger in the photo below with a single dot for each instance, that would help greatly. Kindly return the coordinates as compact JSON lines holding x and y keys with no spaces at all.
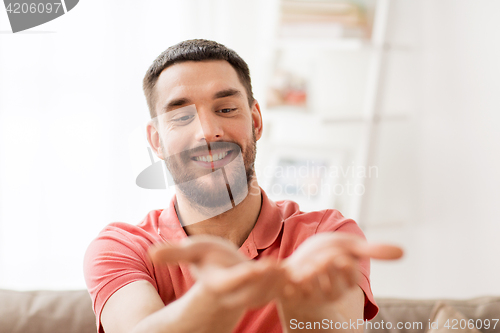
{"x":358,"y":247}
{"x":337,"y":284}
{"x":375,"y":251}
{"x":354,"y":245}
{"x":289,"y":289}
{"x":174,"y":253}
{"x":313,"y":282}
{"x":332,"y":273}
{"x":315,"y":264}
{"x":381,"y":251}
{"x":326,"y":287}
{"x":325,"y":283}
{"x":347,"y":268}
{"x":235,"y":277}
{"x":337,"y":276}
{"x":257,"y":292}
{"x":301,"y":270}
{"x":196,"y":249}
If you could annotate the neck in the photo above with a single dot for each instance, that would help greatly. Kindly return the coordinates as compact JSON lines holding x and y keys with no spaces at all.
{"x":234,"y":224}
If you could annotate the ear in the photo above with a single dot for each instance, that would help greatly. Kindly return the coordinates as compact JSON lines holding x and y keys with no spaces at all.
{"x":257,"y":119}
{"x":154,"y":138}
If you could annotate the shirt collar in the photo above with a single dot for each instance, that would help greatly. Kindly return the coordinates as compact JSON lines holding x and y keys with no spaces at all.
{"x":269,"y":223}
{"x":263,"y":234}
{"x":169,"y":226}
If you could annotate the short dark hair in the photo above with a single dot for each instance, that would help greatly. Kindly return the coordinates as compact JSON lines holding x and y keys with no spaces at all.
{"x":194,"y":50}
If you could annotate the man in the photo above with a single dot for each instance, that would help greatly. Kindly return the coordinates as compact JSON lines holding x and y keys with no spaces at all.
{"x":187,"y":268}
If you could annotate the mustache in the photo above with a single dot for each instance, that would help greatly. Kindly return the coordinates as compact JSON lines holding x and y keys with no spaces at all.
{"x":177,"y":163}
{"x":209,"y":146}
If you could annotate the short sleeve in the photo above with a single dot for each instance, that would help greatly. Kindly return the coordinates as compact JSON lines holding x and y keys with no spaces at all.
{"x":334,"y":221}
{"x":114,"y":259}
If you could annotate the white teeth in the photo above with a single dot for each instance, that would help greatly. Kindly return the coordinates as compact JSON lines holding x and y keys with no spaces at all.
{"x":209,"y":158}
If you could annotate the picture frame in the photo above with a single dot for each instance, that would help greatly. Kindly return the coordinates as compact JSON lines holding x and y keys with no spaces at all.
{"x":304,"y":175}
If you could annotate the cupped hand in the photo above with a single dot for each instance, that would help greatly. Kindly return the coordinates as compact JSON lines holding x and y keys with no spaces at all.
{"x":326,"y":266}
{"x":230,"y":277}
{"x":321,"y":270}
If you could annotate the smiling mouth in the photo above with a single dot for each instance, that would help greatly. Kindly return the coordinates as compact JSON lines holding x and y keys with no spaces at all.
{"x":211,"y":158}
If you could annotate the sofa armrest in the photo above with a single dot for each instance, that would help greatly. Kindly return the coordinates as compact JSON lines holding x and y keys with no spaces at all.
{"x":46,"y":311}
{"x":419,"y":311}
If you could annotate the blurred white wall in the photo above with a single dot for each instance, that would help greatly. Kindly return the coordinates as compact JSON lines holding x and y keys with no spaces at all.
{"x":70,"y":95}
{"x":452,"y":182}
{"x":71,"y":106}
{"x":71,"y":98}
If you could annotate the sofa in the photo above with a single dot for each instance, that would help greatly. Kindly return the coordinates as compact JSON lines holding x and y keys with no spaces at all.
{"x":71,"y":312}
{"x":474,"y":311}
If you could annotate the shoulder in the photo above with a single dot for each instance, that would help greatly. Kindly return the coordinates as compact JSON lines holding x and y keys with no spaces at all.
{"x":144,"y":232}
{"x":315,"y":221}
{"x":299,"y":225}
{"x":118,"y":256}
{"x":119,"y":242}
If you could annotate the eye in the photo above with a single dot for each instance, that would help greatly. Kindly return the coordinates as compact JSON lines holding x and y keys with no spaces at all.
{"x":183,"y":119}
{"x":226,"y":111}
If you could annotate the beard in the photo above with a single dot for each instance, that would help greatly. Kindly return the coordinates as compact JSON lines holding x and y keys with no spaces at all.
{"x":214,"y":190}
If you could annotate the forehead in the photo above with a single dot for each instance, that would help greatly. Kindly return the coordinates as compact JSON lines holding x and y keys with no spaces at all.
{"x":196,"y":79}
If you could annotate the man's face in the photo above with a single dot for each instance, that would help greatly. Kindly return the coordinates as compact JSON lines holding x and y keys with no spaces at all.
{"x":207,"y":132}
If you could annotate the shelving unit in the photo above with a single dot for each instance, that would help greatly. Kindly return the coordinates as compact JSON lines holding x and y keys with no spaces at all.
{"x":372,"y":109}
{"x":369,"y":115}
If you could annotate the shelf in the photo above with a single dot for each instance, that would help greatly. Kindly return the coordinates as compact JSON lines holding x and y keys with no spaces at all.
{"x":360,"y":119}
{"x":322,"y":43}
{"x":301,"y":115}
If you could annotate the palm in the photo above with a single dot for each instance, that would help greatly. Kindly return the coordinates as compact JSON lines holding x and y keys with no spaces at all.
{"x":224,"y":271}
{"x":325,"y":266}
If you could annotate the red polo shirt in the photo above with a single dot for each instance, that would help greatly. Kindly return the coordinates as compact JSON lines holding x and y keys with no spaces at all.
{"x":118,"y":256}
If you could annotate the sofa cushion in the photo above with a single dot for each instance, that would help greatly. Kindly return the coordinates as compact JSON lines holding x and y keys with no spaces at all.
{"x":46,"y":312}
{"x":419,"y":311}
{"x":445,"y":318}
{"x":71,"y":312}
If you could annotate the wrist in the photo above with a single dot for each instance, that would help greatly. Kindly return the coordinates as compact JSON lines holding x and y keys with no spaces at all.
{"x":217,"y":302}
{"x":290,"y":306}
{"x":300,"y":306}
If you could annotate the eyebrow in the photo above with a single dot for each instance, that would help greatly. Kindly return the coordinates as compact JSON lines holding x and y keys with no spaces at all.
{"x":175,"y":103}
{"x":185,"y":101}
{"x":227,"y":93}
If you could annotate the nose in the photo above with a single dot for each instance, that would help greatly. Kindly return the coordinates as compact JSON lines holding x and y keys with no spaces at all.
{"x":210,"y":127}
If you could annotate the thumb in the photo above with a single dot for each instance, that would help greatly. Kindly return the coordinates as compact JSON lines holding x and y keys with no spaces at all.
{"x":383,"y":251}
{"x":174,"y":253}
{"x":197,"y":250}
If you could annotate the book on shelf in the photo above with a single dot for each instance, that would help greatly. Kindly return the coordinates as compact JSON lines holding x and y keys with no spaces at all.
{"x":303,"y":19}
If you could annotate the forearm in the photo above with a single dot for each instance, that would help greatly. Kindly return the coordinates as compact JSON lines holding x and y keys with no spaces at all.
{"x":314,"y":319}
{"x":197,"y":311}
{"x":343,"y":315}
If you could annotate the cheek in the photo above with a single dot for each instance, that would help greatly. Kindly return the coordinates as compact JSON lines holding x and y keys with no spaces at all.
{"x":173,"y":143}
{"x":240,"y":130}
{"x":178,"y":139}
